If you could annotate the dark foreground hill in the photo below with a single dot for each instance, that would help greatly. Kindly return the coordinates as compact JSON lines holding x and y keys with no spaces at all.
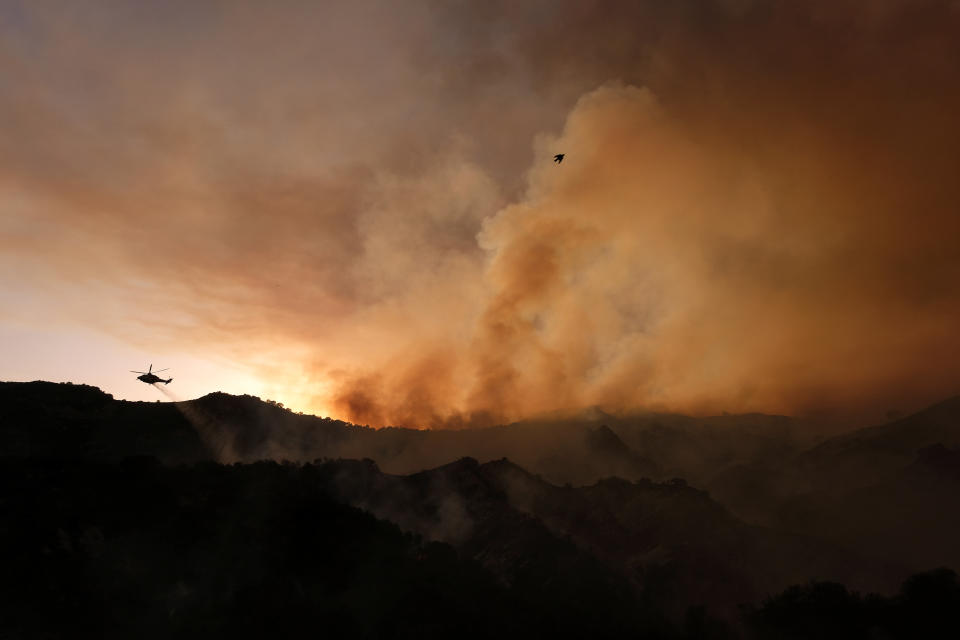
{"x":137,"y":549}
{"x":673,"y":543}
{"x":642,"y":551}
{"x":865,"y":490}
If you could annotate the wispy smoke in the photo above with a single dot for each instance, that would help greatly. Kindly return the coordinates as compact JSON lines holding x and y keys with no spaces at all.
{"x":165,"y":392}
{"x":218,"y":437}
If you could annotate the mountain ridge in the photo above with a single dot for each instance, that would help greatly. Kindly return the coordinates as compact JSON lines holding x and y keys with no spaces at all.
{"x":589,"y":512}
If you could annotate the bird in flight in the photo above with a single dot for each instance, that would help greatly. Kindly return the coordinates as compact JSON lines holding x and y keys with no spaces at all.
{"x":558,"y":158}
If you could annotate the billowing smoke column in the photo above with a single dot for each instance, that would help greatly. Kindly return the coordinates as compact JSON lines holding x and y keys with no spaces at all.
{"x":661,"y":267}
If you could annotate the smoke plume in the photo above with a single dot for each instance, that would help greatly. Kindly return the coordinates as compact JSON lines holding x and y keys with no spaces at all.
{"x":757,"y":210}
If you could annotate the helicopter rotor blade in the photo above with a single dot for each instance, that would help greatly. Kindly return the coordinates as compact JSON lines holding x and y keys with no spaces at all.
{"x":159,"y":370}
{"x":132,"y":371}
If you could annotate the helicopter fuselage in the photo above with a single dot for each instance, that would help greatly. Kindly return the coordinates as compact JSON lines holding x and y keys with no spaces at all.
{"x":151,"y":378}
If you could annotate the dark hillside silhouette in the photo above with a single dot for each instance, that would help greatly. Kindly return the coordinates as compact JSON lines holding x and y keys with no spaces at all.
{"x":136,"y":549}
{"x":44,"y":419}
{"x":926,"y":607}
{"x":664,"y":506}
{"x":912,"y":514}
{"x":675,"y":545}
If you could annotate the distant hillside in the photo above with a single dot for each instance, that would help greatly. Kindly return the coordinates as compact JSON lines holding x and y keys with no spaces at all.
{"x":671,"y":541}
{"x":60,"y":419}
{"x":866,"y":455}
{"x":891,"y":490}
{"x":911,"y":514}
{"x":726,"y":454}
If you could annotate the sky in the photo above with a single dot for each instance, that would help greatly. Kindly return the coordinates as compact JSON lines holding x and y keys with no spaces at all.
{"x":351,"y":207}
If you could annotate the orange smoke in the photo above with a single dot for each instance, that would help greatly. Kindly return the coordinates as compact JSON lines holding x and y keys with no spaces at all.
{"x":757,"y":210}
{"x":657,"y":268}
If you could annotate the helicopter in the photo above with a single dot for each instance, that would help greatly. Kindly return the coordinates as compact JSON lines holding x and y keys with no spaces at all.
{"x":150,"y":377}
